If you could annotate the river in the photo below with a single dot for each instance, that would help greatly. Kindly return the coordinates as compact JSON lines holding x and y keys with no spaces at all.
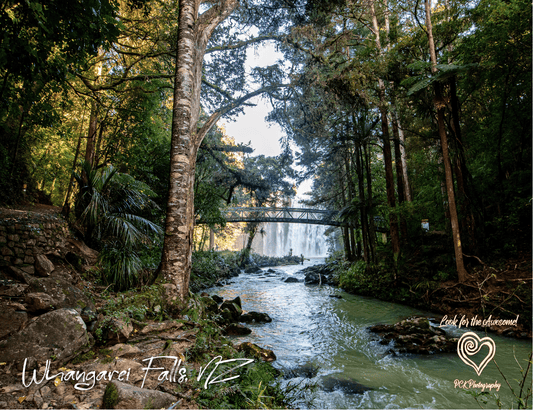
{"x":312,"y":330}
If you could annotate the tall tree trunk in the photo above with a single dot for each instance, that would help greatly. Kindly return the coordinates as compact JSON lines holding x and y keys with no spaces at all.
{"x":408,"y":196}
{"x":466,"y":191}
{"x":387,"y":156}
{"x":369,"y":206}
{"x":345,"y":229}
{"x":364,"y":217}
{"x":194,"y":33}
{"x":177,"y":246}
{"x":349,"y":184}
{"x":440,"y":106}
{"x":399,"y":173}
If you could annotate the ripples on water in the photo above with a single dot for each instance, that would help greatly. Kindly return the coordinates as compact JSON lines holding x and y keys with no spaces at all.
{"x":311,"y":328}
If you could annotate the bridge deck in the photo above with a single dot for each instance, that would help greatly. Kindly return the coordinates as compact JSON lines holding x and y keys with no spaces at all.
{"x":291,"y":215}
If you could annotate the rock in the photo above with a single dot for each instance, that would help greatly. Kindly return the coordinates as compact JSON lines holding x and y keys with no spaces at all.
{"x":234,"y":309}
{"x":234,"y":329}
{"x":118,"y":330}
{"x":11,"y":320}
{"x":78,"y":247}
{"x":120,"y":395}
{"x":237,"y":301}
{"x":159,"y":327}
{"x":335,"y":296}
{"x":234,"y":272}
{"x":253,"y":269}
{"x":291,"y":280}
{"x":58,"y":334}
{"x":226,"y":316}
{"x":122,"y":350}
{"x":20,"y":275}
{"x":313,"y":278}
{"x":210,"y":304}
{"x":347,"y":386}
{"x":29,"y":269}
{"x":40,"y":302}
{"x":13,"y":290}
{"x":251,"y":317}
{"x":59,"y":286}
{"x":308,"y":370}
{"x":257,"y":352}
{"x":38,"y":400}
{"x":12,"y":388}
{"x":217,"y":299}
{"x":415,"y":335}
{"x":43,"y":266}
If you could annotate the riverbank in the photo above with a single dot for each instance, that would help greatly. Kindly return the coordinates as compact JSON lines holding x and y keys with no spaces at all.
{"x":67,"y":341}
{"x":492,"y":292}
{"x":210,"y":268}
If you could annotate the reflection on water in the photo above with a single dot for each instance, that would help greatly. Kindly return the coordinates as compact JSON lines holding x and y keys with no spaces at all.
{"x":310,"y":328}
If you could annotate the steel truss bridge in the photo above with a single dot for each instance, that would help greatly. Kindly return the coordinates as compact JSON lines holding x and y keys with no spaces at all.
{"x":292,"y":215}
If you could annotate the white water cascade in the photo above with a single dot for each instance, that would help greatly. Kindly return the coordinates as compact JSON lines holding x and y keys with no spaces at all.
{"x":279,"y":238}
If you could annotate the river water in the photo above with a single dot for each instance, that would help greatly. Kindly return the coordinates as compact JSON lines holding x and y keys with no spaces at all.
{"x":312,"y":330}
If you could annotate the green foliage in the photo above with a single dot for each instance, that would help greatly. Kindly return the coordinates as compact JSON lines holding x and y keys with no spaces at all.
{"x":209,"y":266}
{"x":209,"y":342}
{"x":110,"y":398}
{"x":522,"y":391}
{"x":145,"y":303}
{"x":110,"y":206}
{"x":256,"y":388}
{"x":354,"y":277}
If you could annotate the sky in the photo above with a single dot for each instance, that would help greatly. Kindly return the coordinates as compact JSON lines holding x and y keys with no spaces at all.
{"x":251,"y":126}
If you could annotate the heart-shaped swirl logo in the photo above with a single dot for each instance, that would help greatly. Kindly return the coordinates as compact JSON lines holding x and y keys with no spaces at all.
{"x":470,"y":344}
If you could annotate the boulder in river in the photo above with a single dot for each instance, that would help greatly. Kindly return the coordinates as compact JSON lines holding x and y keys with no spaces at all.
{"x":415,"y":335}
{"x":313,"y":278}
{"x":217,"y":299}
{"x":234,"y":309}
{"x":290,"y":279}
{"x":253,"y":350}
{"x":347,"y":386}
{"x":257,"y":317}
{"x":308,"y":370}
{"x":234,"y":329}
{"x":253,"y":269}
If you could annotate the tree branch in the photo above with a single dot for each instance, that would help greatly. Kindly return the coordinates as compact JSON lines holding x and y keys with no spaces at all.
{"x":244,"y":43}
{"x":211,"y":121}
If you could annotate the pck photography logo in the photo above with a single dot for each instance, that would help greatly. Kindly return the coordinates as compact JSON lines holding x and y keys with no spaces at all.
{"x":470,"y":344}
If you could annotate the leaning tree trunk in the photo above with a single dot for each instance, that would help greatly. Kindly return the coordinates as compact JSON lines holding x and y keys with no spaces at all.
{"x":194,"y":33}
{"x":440,"y":106}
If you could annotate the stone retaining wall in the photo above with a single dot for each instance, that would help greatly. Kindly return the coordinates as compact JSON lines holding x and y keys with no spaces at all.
{"x":24,"y":234}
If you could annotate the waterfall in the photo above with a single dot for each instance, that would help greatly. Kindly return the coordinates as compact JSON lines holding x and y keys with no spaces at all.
{"x":279,"y":238}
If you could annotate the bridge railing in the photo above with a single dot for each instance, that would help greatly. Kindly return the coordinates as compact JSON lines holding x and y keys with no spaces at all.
{"x":291,"y":215}
{"x":248,"y":213}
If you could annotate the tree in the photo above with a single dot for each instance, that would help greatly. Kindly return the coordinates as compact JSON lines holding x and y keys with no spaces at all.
{"x":40,"y":44}
{"x":194,"y":33}
{"x":440,"y":106}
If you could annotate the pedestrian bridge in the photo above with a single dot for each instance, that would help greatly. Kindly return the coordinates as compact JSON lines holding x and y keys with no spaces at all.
{"x":292,"y":215}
